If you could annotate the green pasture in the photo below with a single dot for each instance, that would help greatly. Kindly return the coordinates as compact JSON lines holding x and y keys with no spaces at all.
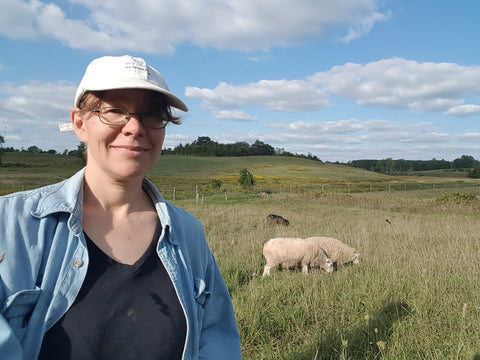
{"x":272,"y":174}
{"x":24,"y":170}
{"x":414,"y":295}
{"x":264,"y":166}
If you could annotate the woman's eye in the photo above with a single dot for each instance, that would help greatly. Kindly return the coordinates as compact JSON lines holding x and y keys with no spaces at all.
{"x":116,"y":111}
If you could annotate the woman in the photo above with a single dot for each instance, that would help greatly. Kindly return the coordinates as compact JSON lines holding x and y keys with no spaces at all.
{"x":100,"y":266}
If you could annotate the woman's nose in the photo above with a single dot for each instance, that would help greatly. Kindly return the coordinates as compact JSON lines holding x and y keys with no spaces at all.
{"x":134,"y":124}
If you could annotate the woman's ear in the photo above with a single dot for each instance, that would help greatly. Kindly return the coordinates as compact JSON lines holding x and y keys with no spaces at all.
{"x":78,"y":123}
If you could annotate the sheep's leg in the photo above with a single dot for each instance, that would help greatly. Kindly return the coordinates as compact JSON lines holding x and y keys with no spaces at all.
{"x":266,"y":271}
{"x":304,"y":269}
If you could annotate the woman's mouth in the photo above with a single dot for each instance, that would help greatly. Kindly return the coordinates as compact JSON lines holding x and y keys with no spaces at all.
{"x":131,"y":149}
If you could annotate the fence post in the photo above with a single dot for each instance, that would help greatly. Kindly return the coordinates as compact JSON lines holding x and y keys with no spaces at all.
{"x":196,"y":194}
{"x":226,"y":198}
{"x":173,"y":194}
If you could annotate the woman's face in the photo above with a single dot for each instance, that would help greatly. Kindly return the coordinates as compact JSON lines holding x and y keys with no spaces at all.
{"x":123,"y":152}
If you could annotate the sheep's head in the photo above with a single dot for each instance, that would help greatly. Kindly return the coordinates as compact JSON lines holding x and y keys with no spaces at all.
{"x":356,"y":259}
{"x":328,"y":266}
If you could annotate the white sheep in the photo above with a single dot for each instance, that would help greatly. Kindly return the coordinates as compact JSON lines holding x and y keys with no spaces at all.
{"x":336,"y":250}
{"x":294,"y":252}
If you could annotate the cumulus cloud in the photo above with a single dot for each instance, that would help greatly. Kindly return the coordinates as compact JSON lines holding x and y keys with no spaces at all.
{"x":233,"y":115}
{"x":244,"y":25}
{"x":18,"y":19}
{"x":37,"y":99}
{"x":172,"y":138}
{"x":394,"y":83}
{"x":469,"y":136}
{"x":463,"y":110}
{"x":32,"y":111}
{"x":361,"y":130}
{"x":402,"y":83}
{"x":274,"y":95}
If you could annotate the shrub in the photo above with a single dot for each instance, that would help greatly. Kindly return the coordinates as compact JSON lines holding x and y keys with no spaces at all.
{"x":246,"y":178}
{"x":457,"y":197}
{"x":216,"y":184}
{"x":474,"y":173}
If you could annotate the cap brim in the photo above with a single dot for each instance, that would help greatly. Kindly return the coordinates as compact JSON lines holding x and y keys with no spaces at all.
{"x":173,"y":100}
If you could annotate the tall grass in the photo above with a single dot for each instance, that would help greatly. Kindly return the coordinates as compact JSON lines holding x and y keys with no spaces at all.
{"x":415,"y":294}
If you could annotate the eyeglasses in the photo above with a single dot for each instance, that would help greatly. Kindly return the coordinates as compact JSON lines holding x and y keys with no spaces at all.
{"x":119,"y":117}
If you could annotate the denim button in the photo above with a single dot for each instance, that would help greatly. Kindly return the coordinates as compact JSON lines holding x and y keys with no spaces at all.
{"x":78,"y":262}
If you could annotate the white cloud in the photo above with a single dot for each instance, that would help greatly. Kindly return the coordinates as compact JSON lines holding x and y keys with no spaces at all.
{"x":244,"y":25}
{"x":37,"y":100}
{"x":394,"y":83}
{"x":275,"y":95}
{"x":172,"y":138}
{"x":18,"y":19}
{"x":364,"y":25}
{"x":402,"y":83}
{"x":361,"y":131}
{"x":233,"y":115}
{"x":31,"y":113}
{"x":343,"y":126}
{"x":77,"y":34}
{"x":463,"y":110}
{"x":469,"y":136}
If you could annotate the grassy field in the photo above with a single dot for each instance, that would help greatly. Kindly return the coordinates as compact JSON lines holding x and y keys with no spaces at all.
{"x":415,"y":294}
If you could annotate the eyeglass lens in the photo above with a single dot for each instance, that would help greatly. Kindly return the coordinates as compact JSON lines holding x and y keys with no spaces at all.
{"x":118,"y":117}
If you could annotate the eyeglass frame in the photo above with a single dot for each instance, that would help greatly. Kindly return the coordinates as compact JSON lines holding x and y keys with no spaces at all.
{"x":129,"y":116}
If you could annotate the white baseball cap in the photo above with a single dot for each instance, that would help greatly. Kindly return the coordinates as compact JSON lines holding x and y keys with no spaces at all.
{"x":124,"y":72}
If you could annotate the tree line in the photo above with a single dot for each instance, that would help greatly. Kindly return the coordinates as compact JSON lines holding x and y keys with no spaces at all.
{"x":403,"y":167}
{"x":79,"y":151}
{"x":204,"y":146}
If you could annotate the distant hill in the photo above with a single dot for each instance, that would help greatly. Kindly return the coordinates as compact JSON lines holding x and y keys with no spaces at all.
{"x":264,"y":166}
{"x":37,"y":169}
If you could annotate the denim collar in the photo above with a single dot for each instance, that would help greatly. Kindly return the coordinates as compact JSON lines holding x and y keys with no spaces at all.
{"x":67,"y":196}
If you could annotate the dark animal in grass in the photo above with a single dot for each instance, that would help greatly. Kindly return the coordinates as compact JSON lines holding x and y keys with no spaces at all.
{"x":277,"y":219}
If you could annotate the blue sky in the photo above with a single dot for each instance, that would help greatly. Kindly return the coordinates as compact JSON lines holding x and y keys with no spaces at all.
{"x":339,"y":79}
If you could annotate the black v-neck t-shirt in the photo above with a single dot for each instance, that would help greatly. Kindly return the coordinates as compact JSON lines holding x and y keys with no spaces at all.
{"x":122,"y":312}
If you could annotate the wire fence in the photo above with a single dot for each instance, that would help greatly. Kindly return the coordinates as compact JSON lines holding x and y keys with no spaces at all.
{"x":200,"y":193}
{"x":395,"y":186}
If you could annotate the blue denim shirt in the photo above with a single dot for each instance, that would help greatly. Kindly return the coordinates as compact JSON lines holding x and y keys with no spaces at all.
{"x":44,"y":260}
